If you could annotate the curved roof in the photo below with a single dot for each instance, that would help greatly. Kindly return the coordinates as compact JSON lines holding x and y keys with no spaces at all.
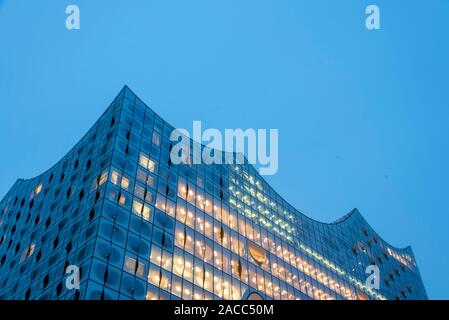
{"x":348,"y":218}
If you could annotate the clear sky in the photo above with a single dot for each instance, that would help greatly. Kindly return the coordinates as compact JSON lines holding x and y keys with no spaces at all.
{"x":362,"y":115}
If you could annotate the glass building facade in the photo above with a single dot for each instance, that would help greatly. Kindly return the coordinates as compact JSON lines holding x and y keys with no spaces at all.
{"x":140,"y":227}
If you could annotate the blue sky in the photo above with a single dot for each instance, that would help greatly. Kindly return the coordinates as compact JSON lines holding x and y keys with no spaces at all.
{"x":362,"y":115}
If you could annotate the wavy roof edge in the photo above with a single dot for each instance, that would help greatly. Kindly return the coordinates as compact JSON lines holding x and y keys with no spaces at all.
{"x":344,"y":219}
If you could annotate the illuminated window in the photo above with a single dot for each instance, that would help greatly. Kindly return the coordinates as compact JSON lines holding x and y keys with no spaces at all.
{"x":170,"y":208}
{"x":257,"y":253}
{"x":199,"y":222}
{"x":122,"y":199}
{"x":218,"y":286}
{"x":100,"y":180}
{"x":361,"y":296}
{"x":31,"y":250}
{"x":208,"y":205}
{"x":198,"y":294}
{"x":200,"y":201}
{"x":28,"y":252}
{"x":178,"y":263}
{"x":236,"y":267}
{"x":200,"y":248}
{"x":181,"y":213}
{"x":176,"y":287}
{"x":208,"y":252}
{"x":199,"y":274}
{"x":218,"y":234}
{"x":208,"y":278}
{"x":154,"y":277}
{"x":191,"y":196}
{"x":226,"y":258}
{"x":166,"y":262}
{"x":188,"y":268}
{"x":147,"y":163}
{"x":187,"y":291}
{"x":218,"y":258}
{"x":233,"y":220}
{"x":156,"y":255}
{"x":189,"y":241}
{"x":180,"y":236}
{"x":236,"y":292}
{"x":217,"y":212}
{"x":190,"y":218}
{"x":254,"y":296}
{"x":182,"y":190}
{"x":141,"y":209}
{"x":120,"y":180}
{"x":38,"y":189}
{"x":208,"y":226}
{"x":134,"y":267}
{"x":151,"y":294}
{"x":160,"y":202}
{"x":159,"y":278}
{"x":226,"y":288}
{"x":241,"y":224}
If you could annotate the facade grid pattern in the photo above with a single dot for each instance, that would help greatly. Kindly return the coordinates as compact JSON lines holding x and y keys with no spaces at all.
{"x":140,"y":227}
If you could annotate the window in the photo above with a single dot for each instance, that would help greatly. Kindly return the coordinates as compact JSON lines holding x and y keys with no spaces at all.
{"x":145,"y":178}
{"x":38,"y":190}
{"x":182,"y":190}
{"x":178,"y":265}
{"x":118,"y":179}
{"x":141,"y":209}
{"x":361,"y":296}
{"x":143,"y":193}
{"x":362,"y":247}
{"x":152,"y":294}
{"x":159,"y":278}
{"x":156,"y":255}
{"x":190,"y":218}
{"x":188,"y":268}
{"x":160,"y":202}
{"x":180,"y":236}
{"x":156,"y":139}
{"x":189,"y":241}
{"x":100,"y":180}
{"x":166,"y":262}
{"x":134,"y":267}
{"x":208,"y":278}
{"x":254,"y":296}
{"x":115,"y":196}
{"x":28,"y":252}
{"x":257,"y":253}
{"x":147,"y":163}
{"x":208,"y":230}
{"x":199,"y":273}
{"x":176,"y":287}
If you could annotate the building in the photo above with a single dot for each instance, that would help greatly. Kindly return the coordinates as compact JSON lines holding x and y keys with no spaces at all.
{"x":139,"y":227}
